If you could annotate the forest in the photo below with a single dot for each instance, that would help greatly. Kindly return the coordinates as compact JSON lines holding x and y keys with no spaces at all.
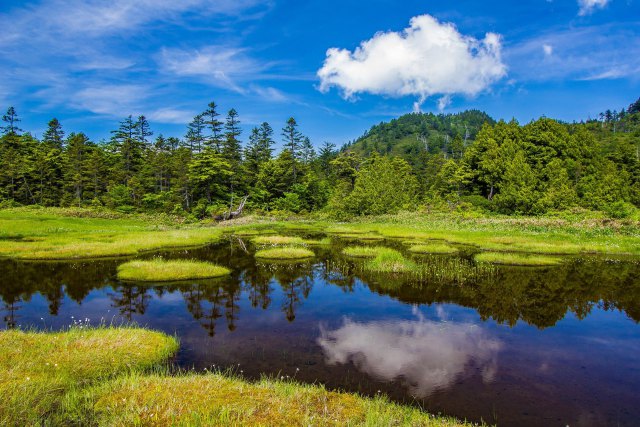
{"x":462,"y":161}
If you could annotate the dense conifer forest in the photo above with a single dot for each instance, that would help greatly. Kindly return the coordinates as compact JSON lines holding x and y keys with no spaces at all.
{"x":460,"y":161}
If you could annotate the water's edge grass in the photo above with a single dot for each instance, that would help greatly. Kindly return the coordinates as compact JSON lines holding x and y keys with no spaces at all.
{"x":119,"y":376}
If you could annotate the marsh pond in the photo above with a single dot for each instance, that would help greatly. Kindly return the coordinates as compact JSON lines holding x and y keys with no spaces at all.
{"x":555,"y":345}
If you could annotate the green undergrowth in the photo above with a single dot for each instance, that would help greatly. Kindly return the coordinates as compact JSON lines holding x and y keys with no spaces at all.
{"x":160,"y":270}
{"x":38,"y":369}
{"x":119,"y":377}
{"x":285,"y":253}
{"x":506,"y":258}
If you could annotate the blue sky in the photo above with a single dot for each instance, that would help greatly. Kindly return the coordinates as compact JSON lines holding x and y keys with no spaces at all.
{"x":337,"y":66}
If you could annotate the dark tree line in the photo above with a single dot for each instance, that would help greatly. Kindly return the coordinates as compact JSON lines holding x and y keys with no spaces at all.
{"x":453,"y":160}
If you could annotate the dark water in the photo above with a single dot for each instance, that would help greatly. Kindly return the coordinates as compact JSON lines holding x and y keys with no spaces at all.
{"x":517,"y":346}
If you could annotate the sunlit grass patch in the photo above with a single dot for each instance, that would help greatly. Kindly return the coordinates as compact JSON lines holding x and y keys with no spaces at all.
{"x":278,"y":240}
{"x":507,"y":258}
{"x":285,"y":253}
{"x":216,"y":399}
{"x":362,"y":251}
{"x":50,"y":237}
{"x":432,"y":248}
{"x":37,"y":369}
{"x":160,"y":270}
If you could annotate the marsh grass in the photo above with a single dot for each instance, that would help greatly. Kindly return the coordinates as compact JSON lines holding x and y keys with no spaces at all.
{"x":432,"y":248}
{"x":506,"y":258}
{"x":278,"y":240}
{"x":361,"y":251}
{"x":222,"y":399}
{"x":160,"y":270}
{"x":37,"y":369}
{"x":284,"y":253}
{"x":390,"y":260}
{"x":35,"y":235}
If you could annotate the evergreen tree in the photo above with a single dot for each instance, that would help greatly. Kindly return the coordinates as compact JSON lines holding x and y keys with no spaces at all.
{"x":215,"y":127}
{"x":292,"y":139}
{"x":195,"y":133}
{"x":11,"y":119}
{"x":54,"y":135}
{"x":231,"y":148}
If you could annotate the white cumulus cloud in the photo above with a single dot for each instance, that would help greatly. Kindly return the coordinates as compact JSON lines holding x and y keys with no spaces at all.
{"x":428,"y":58}
{"x":588,"y":6}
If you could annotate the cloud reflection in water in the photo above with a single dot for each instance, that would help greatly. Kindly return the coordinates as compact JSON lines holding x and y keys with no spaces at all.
{"x":427,"y":355}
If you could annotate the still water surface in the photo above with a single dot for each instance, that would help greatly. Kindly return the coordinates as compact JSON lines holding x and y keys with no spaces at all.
{"x":519,"y":346}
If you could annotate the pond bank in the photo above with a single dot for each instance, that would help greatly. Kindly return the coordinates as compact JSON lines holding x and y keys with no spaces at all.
{"x":115,"y":376}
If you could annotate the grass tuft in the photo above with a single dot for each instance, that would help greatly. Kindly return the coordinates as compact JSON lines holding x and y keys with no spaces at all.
{"x":390,"y":261}
{"x":285,"y":253}
{"x":159,"y":270}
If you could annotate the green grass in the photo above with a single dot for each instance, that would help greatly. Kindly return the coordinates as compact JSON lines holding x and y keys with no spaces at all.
{"x":159,"y":270}
{"x":381,"y":259}
{"x":106,"y":377}
{"x":285,"y":253}
{"x":38,"y":369}
{"x":215,"y":399}
{"x":278,"y":240}
{"x":432,"y":248}
{"x":361,"y":251}
{"x":390,"y":261}
{"x":48,"y":234}
{"x":506,"y":258}
{"x":544,"y":235}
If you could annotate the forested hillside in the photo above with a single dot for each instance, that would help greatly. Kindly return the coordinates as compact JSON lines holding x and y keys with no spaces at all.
{"x":464,"y":160}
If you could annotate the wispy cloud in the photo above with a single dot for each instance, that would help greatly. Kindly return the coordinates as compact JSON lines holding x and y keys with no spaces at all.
{"x":217,"y":65}
{"x":587,"y":7}
{"x":581,"y":53}
{"x":82,"y":53}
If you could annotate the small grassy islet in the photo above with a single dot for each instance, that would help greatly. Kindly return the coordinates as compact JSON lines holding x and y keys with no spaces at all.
{"x":285,"y":253}
{"x":160,"y":270}
{"x":278,"y":240}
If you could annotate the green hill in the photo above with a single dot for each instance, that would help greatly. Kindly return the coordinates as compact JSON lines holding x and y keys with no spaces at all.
{"x":410,"y":134}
